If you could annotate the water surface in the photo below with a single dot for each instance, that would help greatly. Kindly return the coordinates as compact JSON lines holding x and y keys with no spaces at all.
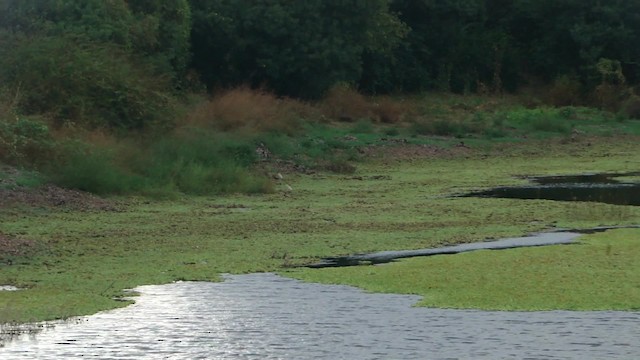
{"x":264,"y":316}
{"x":605,"y":188}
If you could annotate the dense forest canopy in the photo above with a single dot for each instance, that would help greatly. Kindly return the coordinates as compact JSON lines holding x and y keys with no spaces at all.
{"x":122,"y":62}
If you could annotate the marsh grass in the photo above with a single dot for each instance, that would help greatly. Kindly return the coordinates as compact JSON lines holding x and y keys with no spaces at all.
{"x":343,"y":103}
{"x":213,"y":143}
{"x":596,"y":274}
{"x":250,"y":110}
{"x":190,"y":161}
{"x":601,"y":213}
{"x":85,"y":258}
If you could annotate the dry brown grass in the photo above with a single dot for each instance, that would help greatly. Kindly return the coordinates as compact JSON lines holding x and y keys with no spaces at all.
{"x":565,"y":91}
{"x":346,"y":104}
{"x":391,"y":111}
{"x":632,"y":107}
{"x":607,"y":96}
{"x":248,"y":109}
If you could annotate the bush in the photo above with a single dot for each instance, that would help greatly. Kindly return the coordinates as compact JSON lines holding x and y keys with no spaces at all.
{"x":244,"y":108}
{"x":610,"y":97}
{"x":631,"y":107}
{"x":197,"y":161}
{"x":192,"y":161}
{"x":363,"y":126}
{"x":339,"y":166}
{"x":93,"y":170}
{"x":93,"y":84}
{"x":24,"y":141}
{"x":543,"y":119}
{"x":421,"y":127}
{"x":565,"y":91}
{"x":345,"y":104}
{"x":389,"y":111}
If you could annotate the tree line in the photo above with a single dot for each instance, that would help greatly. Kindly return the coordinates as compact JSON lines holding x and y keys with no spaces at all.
{"x":124,"y":62}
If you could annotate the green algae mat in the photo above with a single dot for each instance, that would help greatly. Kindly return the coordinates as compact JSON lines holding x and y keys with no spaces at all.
{"x":79,"y":260}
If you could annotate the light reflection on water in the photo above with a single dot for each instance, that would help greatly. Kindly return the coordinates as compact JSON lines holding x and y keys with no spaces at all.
{"x":264,"y":316}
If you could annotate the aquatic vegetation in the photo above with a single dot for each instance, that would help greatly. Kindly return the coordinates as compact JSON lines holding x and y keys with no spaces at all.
{"x":84,"y":258}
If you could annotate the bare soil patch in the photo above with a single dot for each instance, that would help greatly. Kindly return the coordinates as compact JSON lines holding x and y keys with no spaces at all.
{"x":53,"y":196}
{"x":48,"y":195}
{"x":10,"y":246}
{"x":411,"y":151}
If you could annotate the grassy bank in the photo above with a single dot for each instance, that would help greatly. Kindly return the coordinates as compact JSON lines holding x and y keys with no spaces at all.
{"x":81,"y":259}
{"x":599,"y":273}
{"x":213,"y":145}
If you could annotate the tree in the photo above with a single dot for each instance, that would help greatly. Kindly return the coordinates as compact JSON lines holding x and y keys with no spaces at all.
{"x":90,"y":62}
{"x":298,"y":48}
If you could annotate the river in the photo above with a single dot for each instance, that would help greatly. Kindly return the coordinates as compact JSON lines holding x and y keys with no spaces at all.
{"x":265,"y":316}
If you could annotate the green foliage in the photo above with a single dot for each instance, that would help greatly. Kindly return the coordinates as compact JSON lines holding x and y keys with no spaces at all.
{"x":89,"y":84}
{"x":298,"y":48}
{"x":157,"y":31}
{"x":161,"y":31}
{"x":192,"y":162}
{"x":24,"y":141}
{"x":198,"y":162}
{"x":93,"y":170}
{"x":363,"y":126}
{"x":88,"y":257}
{"x":631,"y":107}
{"x":491,"y":46}
{"x":565,"y":91}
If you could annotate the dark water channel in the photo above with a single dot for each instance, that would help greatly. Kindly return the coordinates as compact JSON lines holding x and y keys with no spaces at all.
{"x":605,"y":188}
{"x":264,"y":316}
{"x":541,"y":239}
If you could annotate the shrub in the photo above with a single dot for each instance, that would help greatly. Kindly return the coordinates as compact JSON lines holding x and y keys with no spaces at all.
{"x":93,"y":84}
{"x":191,"y":161}
{"x":391,"y":131}
{"x":363,"y":126}
{"x":345,"y":104}
{"x":609,"y":96}
{"x":565,"y":91}
{"x":568,"y":112}
{"x":543,"y":119}
{"x":631,"y":107}
{"x":197,"y":161}
{"x":24,"y":141}
{"x":549,"y":124}
{"x":389,"y":111}
{"x":339,"y":166}
{"x":244,"y":108}
{"x":421,"y":127}
{"x":93,"y":170}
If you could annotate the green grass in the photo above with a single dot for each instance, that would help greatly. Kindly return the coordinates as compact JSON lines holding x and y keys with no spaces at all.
{"x":493,"y":118}
{"x":599,"y":273}
{"x":85,"y":258}
{"x":10,"y":179}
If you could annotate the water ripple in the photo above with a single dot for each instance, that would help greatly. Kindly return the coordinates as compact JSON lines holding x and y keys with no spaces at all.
{"x":264,"y":316}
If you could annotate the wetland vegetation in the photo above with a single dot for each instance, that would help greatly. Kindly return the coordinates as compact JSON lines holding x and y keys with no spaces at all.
{"x":144,"y":143}
{"x":82,"y":259}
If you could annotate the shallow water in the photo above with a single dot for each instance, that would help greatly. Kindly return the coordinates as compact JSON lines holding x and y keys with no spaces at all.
{"x":264,"y":316}
{"x":603,"y":188}
{"x":540,"y":239}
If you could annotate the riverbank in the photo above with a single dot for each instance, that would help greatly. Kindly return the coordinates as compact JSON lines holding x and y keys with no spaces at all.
{"x":82,"y":258}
